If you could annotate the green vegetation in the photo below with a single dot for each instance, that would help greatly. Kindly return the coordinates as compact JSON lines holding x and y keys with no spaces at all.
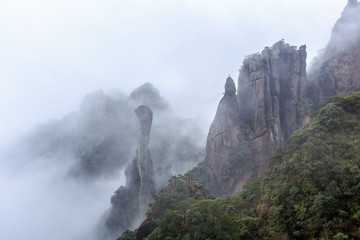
{"x":311,"y":192}
{"x":314,"y":190}
{"x":201,"y":218}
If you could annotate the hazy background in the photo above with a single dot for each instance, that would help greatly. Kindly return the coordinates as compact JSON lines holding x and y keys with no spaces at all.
{"x":54,"y":52}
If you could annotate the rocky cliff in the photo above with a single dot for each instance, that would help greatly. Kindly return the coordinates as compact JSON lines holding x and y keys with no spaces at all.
{"x":143,"y":156}
{"x":223,"y":153}
{"x":130,"y":202}
{"x":337,"y":70}
{"x":251,"y":127}
{"x":274,"y":99}
{"x":272,"y":89}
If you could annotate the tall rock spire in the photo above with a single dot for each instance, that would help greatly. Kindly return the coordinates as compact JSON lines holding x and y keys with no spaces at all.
{"x":230,"y":88}
{"x":143,"y":156}
{"x":223,"y":156}
{"x":130,"y":202}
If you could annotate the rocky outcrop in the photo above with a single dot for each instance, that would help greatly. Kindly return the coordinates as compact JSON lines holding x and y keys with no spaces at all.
{"x":143,"y":155}
{"x":336,"y":72}
{"x":272,"y":92}
{"x":274,"y":99}
{"x":131,"y":202}
{"x":223,"y":154}
{"x":251,"y":127}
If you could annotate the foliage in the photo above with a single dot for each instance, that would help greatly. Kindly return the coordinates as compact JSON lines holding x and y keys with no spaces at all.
{"x":128,"y":235}
{"x":179,"y":188}
{"x":305,"y":106}
{"x":314,"y":191}
{"x":219,"y":218}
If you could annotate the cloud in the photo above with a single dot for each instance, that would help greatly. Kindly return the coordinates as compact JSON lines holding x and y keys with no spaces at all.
{"x":54,"y":52}
{"x":39,"y":203}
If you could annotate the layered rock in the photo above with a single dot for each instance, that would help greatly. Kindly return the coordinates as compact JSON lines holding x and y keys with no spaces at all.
{"x":336,"y":72}
{"x":223,"y":154}
{"x":130,"y":202}
{"x":272,"y":92}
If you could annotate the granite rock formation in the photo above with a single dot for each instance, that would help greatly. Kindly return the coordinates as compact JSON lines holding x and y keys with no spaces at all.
{"x":143,"y":155}
{"x":223,"y":145}
{"x":251,"y":127}
{"x":274,"y":99}
{"x":336,"y":72}
{"x":130,"y":202}
{"x":272,"y":89}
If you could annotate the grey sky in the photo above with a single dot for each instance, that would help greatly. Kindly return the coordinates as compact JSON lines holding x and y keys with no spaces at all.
{"x":54,"y":52}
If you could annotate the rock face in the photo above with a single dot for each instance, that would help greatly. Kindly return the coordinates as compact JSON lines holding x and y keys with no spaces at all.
{"x":143,"y":156}
{"x":223,"y":145}
{"x":251,"y":127}
{"x":272,"y":88}
{"x":130,"y":202}
{"x":337,"y":70}
{"x":274,"y":99}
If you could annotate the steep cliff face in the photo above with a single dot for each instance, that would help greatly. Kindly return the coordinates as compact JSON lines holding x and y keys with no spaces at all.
{"x":251,"y":127}
{"x":336,"y":72}
{"x":271,"y":100}
{"x":274,"y":99}
{"x":223,"y":149}
{"x":130,"y":202}
{"x":143,"y":155}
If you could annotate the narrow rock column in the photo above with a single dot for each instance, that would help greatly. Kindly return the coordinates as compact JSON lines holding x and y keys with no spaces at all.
{"x":143,"y":156}
{"x":223,"y":145}
{"x":130,"y":202}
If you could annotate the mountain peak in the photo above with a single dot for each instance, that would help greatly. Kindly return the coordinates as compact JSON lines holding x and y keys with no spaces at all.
{"x":230,"y":88}
{"x":149,"y":95}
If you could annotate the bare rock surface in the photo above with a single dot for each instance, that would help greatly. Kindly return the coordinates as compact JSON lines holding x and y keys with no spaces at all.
{"x":249,"y":128}
{"x":143,"y":156}
{"x":223,"y":145}
{"x":130,"y":202}
{"x":272,"y":87}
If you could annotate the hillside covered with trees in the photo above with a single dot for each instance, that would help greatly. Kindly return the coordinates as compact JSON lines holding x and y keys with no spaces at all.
{"x":311,"y":192}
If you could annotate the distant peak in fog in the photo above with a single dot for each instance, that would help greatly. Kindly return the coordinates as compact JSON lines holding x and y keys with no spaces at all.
{"x":101,"y":136}
{"x":149,"y":95}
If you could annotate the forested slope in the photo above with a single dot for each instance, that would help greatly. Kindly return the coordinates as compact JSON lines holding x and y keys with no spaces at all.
{"x":311,"y":192}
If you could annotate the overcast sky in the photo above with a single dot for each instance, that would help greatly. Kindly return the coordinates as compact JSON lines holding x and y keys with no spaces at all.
{"x":53,"y":52}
